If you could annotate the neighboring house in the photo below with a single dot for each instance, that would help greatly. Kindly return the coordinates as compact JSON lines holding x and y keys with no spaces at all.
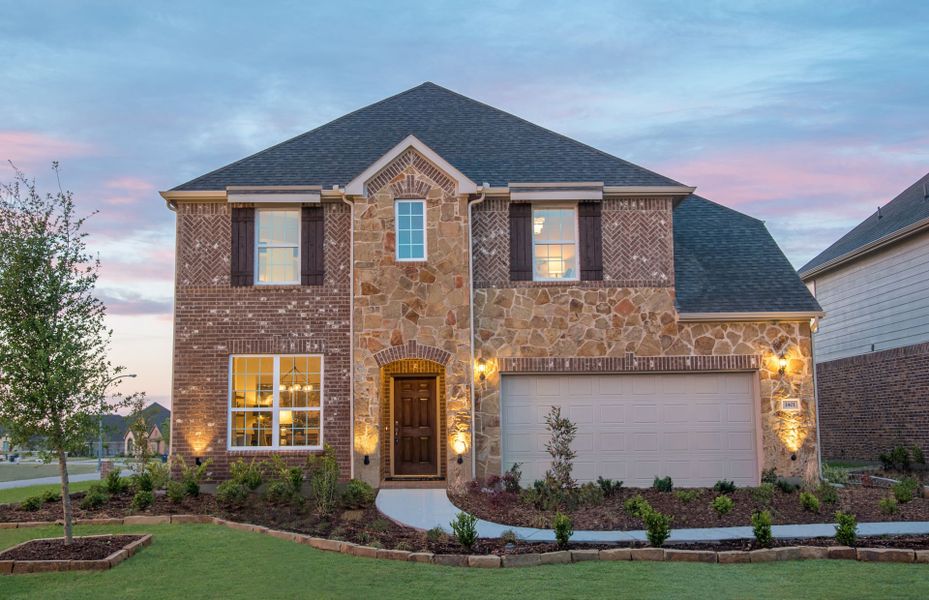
{"x":417,"y":282}
{"x":118,"y":438}
{"x":872,"y":347}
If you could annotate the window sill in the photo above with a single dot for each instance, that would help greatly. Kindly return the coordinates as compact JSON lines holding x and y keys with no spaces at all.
{"x":279,"y":450}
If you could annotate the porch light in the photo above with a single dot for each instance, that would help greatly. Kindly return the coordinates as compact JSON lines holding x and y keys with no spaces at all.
{"x":481,"y":369}
{"x":460,"y":445}
{"x":198,"y":460}
{"x":782,"y":364}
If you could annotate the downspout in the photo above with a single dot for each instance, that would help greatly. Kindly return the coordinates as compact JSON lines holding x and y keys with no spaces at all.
{"x":819,"y":445}
{"x":471,"y":321}
{"x":351,"y":332}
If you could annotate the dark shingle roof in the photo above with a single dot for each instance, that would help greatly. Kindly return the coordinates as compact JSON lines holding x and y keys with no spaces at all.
{"x":115,"y":426}
{"x":486,"y":144}
{"x":725,"y":261}
{"x":906,"y":209}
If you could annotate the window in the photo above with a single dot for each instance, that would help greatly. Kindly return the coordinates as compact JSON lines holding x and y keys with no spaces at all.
{"x":411,"y":229}
{"x":276,"y":402}
{"x":554,"y":244}
{"x":278,"y":241}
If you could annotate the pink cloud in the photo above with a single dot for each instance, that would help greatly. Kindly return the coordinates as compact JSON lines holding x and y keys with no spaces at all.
{"x":124,"y":191}
{"x":29,"y":148}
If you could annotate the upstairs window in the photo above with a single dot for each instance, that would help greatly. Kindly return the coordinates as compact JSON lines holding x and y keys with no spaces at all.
{"x":554,"y":244}
{"x":411,"y":230}
{"x":277,"y":260}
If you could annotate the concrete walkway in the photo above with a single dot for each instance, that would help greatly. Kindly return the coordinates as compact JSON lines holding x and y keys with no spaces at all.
{"x":428,"y":508}
{"x":5,"y":485}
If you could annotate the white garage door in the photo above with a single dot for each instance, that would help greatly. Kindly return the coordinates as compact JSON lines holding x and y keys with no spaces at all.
{"x":696,"y":428}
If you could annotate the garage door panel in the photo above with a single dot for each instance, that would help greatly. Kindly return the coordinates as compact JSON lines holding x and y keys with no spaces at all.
{"x":695,"y":428}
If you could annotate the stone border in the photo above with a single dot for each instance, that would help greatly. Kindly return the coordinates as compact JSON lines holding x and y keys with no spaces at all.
{"x":18,"y":567}
{"x":491,"y":561}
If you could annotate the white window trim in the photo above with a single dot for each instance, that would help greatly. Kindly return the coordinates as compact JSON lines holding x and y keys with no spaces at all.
{"x":576,"y":241}
{"x":257,"y":274}
{"x":275,"y":407}
{"x":397,"y":231}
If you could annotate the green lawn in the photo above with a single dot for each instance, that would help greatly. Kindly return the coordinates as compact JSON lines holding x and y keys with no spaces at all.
{"x":21,"y":493}
{"x":206,"y":561}
{"x":11,"y":472}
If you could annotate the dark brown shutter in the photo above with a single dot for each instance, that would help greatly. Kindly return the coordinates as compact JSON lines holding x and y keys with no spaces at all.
{"x":312,"y":238}
{"x":243,"y":247}
{"x":520,"y":242}
{"x":590,"y":231}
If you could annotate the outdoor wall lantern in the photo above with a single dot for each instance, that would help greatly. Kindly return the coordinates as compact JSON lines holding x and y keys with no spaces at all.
{"x":460,"y":445}
{"x":481,"y":369}
{"x":782,"y":364}
{"x":198,"y":460}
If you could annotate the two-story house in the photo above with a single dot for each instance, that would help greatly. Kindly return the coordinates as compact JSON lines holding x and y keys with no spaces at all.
{"x":417,"y":282}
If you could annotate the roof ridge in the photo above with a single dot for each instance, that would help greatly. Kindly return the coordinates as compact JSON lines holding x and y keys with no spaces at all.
{"x":730,"y":209}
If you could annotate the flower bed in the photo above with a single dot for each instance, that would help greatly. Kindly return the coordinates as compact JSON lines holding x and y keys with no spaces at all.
{"x":95,"y":552}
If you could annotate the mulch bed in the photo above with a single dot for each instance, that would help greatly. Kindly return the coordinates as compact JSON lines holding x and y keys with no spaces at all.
{"x":508,"y":509}
{"x":82,"y":548}
{"x":119,"y":505}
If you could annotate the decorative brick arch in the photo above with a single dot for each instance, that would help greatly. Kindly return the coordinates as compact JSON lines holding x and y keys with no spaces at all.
{"x":412,"y":350}
{"x":410,"y":175}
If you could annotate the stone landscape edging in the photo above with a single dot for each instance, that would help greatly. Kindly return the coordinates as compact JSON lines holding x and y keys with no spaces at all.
{"x":18,"y":567}
{"x":483,"y":561}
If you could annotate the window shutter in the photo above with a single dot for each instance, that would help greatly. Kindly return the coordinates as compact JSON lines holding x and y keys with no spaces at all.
{"x":520,"y":242}
{"x":242,"y":261}
{"x":312,"y":238}
{"x":590,"y":231}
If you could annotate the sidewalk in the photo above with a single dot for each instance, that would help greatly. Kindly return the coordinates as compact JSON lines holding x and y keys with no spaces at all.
{"x":5,"y":485}
{"x":428,"y":508}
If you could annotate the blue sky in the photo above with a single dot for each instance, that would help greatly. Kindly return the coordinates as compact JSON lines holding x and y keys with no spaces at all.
{"x":806,"y":115}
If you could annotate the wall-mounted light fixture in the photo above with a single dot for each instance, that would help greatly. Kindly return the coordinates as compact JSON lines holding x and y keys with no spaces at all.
{"x":782,"y":364}
{"x":198,"y":460}
{"x":481,"y":369}
{"x":460,"y":445}
{"x":367,"y":460}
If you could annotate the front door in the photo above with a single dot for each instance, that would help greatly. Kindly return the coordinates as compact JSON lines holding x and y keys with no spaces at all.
{"x":415,"y":426}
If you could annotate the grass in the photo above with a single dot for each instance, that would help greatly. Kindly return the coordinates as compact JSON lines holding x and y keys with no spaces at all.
{"x":16,"y":495}
{"x":11,"y":472}
{"x":851,"y":464}
{"x":206,"y":561}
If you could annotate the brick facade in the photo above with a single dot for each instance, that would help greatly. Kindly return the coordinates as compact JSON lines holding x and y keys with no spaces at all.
{"x":873,"y":402}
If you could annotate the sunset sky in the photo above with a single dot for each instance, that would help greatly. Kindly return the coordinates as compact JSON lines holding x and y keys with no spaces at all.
{"x":806,"y":115}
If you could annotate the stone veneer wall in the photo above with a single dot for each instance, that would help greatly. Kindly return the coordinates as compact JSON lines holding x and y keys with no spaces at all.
{"x":397,"y":303}
{"x":213,"y":320}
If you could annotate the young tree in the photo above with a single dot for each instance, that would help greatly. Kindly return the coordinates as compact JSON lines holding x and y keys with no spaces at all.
{"x":53,"y":341}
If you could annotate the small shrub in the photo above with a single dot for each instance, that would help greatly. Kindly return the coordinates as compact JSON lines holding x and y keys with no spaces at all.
{"x":159,"y":473}
{"x":589,"y":494}
{"x":176,"y":491}
{"x":324,"y":475}
{"x":464,"y":527}
{"x":114,"y":483}
{"x":379,"y":525}
{"x":637,"y":506}
{"x":436,"y":535}
{"x":918,"y":456}
{"x":763,"y":494}
{"x":688,"y":495}
{"x":905,"y":490}
{"x":143,"y":499}
{"x":543,"y":495}
{"x":562,"y":432}
{"x":142,"y":482}
{"x":723,"y":505}
{"x":835,"y":474}
{"x":809,"y":502}
{"x":769,"y":476}
{"x":32,"y":503}
{"x":897,"y":459}
{"x":278,"y":492}
{"x":246,"y":473}
{"x":357,"y":494}
{"x":511,"y":479}
{"x":888,"y":505}
{"x":51,"y":496}
{"x":827,"y":493}
{"x":94,"y":498}
{"x":508,"y":537}
{"x":663,"y":484}
{"x":657,"y":527}
{"x":724,"y":486}
{"x":563,"y":531}
{"x":610,"y":487}
{"x":761,"y":527}
{"x":232,"y":493}
{"x":192,"y":476}
{"x":846,"y":528}
{"x":786,"y":486}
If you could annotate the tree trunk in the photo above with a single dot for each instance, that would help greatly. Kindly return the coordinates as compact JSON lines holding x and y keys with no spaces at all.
{"x":65,"y":496}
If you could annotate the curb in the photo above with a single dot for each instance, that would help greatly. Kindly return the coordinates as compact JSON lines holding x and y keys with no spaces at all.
{"x":18,"y":567}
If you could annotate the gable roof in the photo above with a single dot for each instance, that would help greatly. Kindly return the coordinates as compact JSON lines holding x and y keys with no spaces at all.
{"x":725,"y":261}
{"x":484,"y":143}
{"x":906,"y":212}
{"x":116,"y":426}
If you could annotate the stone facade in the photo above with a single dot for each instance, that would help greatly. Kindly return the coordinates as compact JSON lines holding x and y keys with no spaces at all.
{"x":874,"y":402}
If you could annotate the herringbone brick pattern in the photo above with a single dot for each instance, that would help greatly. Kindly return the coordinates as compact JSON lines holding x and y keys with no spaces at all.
{"x":491,"y":241}
{"x":203,"y":246}
{"x":638,"y":243}
{"x":396,"y":174}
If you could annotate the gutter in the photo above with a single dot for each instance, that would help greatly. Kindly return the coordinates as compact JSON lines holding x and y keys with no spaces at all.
{"x":696,"y":317}
{"x":471,"y":204}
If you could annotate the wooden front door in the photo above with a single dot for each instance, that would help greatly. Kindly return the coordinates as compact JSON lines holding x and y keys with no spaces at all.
{"x":415,"y":426}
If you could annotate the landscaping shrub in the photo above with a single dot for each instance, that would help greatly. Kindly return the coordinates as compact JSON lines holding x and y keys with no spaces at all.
{"x":769,"y":476}
{"x":94,"y":498}
{"x":357,"y":494}
{"x":786,"y":486}
{"x":906,"y":489}
{"x":512,"y":478}
{"x":159,"y":473}
{"x":464,"y":527}
{"x":688,"y":495}
{"x":724,"y":486}
{"x":142,"y":482}
{"x":324,"y":475}
{"x":828,"y":493}
{"x":436,"y":535}
{"x":247,"y":473}
{"x":558,"y":447}
{"x":763,"y":494}
{"x":493,"y":482}
{"x":897,"y":459}
{"x":192,"y":476}
{"x":379,"y":525}
{"x":143,"y":499}
{"x":637,"y":506}
{"x":723,"y":505}
{"x":51,"y":496}
{"x":835,"y":474}
{"x":918,"y":456}
{"x":278,"y":492}
{"x":114,"y":483}
{"x":32,"y":503}
{"x":663,"y":484}
{"x":657,"y":527}
{"x":610,"y":487}
{"x":589,"y":494}
{"x":508,"y":537}
{"x":761,"y":527}
{"x":846,"y":528}
{"x":888,"y":505}
{"x":809,"y":502}
{"x":176,"y":491}
{"x":563,"y":532}
{"x":543,"y":495}
{"x":231,"y":493}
